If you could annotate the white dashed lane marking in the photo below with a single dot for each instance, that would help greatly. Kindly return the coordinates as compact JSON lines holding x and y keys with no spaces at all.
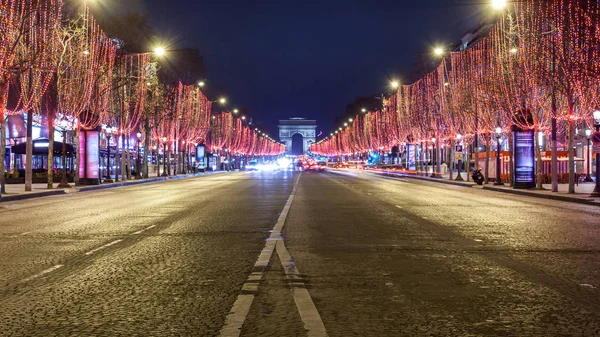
{"x":42,"y":273}
{"x":306,"y":308}
{"x":103,"y":247}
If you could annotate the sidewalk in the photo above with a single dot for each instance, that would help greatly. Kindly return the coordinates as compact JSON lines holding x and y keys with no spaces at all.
{"x":17,"y":191}
{"x":581,"y":195}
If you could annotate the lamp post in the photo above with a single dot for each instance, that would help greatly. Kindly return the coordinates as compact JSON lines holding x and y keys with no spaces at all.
{"x":498,"y":181}
{"x":64,"y":125}
{"x":596,"y":192}
{"x":108,"y":130}
{"x":138,"y":162}
{"x":459,"y":161}
{"x":588,"y":177}
{"x":164,"y":141}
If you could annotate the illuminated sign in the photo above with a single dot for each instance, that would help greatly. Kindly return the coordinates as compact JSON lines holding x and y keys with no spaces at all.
{"x":92,"y":154}
{"x":524,"y":169}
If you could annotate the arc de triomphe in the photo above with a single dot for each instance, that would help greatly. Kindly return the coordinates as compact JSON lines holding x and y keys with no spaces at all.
{"x":305,"y":127}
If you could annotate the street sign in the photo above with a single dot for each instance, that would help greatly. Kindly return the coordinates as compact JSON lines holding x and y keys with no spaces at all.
{"x":596,"y":140}
{"x":459,"y":155}
{"x":458,"y":148}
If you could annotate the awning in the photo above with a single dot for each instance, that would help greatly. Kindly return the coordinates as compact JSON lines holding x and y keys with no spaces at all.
{"x":40,"y":146}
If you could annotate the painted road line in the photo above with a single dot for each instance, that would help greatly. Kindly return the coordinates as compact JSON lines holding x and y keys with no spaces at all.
{"x":138,"y":232}
{"x":306,"y":307}
{"x":241,"y":307}
{"x":103,"y":247}
{"x":42,"y":273}
{"x":150,"y":227}
{"x":399,"y":206}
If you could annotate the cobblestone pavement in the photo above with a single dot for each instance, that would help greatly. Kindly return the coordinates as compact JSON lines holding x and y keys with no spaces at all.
{"x":379,"y":257}
{"x":393,"y":258}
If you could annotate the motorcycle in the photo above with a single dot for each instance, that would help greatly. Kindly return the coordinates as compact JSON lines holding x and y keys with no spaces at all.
{"x":478,"y":177}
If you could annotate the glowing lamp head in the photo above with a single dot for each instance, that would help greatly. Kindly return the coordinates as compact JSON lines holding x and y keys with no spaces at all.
{"x":350,"y":119}
{"x":433,"y":140}
{"x":235,"y":111}
{"x":588,"y":133}
{"x":513,"y":50}
{"x":363,"y":110}
{"x":395,"y":84}
{"x":201,"y":84}
{"x":159,"y":51}
{"x":459,"y":136}
{"x":139,"y":135}
{"x":222,"y":100}
{"x":164,"y":139}
{"x":499,"y":4}
{"x":498,"y":130}
{"x":243,"y":118}
{"x":345,"y":124}
{"x":86,"y":52}
{"x":438,"y":51}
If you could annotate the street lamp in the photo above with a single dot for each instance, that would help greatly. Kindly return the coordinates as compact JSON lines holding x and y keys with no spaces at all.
{"x":498,"y":161}
{"x":438,"y":51}
{"x":159,"y":51}
{"x":201,"y":84}
{"x":164,"y":141}
{"x":459,"y":161}
{"x":588,"y":177}
{"x":64,"y":125}
{"x":498,"y":4}
{"x":108,"y":131}
{"x":363,"y":110}
{"x":596,"y":192}
{"x":395,"y":84}
{"x":138,"y":162}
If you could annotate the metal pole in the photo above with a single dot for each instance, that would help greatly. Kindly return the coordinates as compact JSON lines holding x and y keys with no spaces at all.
{"x":63,"y":180}
{"x":498,"y":163}
{"x":588,"y":177}
{"x":596,"y":192}
{"x":108,"y":178}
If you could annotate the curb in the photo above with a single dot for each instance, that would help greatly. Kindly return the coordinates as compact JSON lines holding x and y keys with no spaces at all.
{"x":435,"y":180}
{"x":527,"y":193}
{"x":591,"y":202}
{"x":125,"y":183}
{"x":25,"y":196}
{"x":100,"y":187}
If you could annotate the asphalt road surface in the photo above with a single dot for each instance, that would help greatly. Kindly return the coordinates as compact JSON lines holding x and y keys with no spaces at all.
{"x":290,"y":254}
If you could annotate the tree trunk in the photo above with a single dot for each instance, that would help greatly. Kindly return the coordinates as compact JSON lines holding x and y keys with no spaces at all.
{"x":123,"y":158}
{"x":554,"y":148}
{"x":487,"y":159}
{"x":570,"y":149}
{"x":450,"y":160}
{"x":128,"y":159}
{"x":538,"y":166}
{"x":77,"y":156}
{"x":511,"y":160}
{"x":466,"y":162}
{"x":146,"y":149}
{"x":50,"y":118}
{"x":2,"y":145}
{"x":475,"y":155}
{"x":29,"y":153}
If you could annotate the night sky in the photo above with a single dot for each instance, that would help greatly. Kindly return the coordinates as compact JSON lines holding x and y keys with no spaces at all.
{"x":279,"y":59}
